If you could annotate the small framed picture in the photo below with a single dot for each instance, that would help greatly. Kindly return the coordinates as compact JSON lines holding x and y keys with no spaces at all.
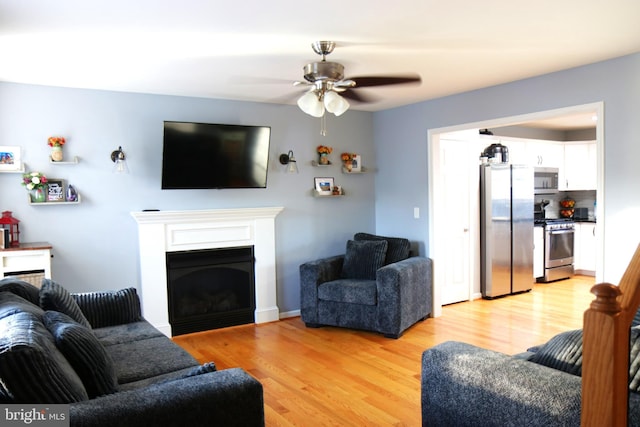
{"x":10,"y":158}
{"x":356,"y":163}
{"x":55,"y":190}
{"x":324,"y":185}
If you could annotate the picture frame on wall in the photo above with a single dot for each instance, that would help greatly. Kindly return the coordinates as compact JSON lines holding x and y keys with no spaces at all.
{"x":55,"y":190}
{"x":10,"y":158}
{"x":324,"y":185}
{"x":356,"y":163}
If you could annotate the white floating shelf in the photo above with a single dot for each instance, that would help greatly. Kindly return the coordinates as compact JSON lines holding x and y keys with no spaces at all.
{"x":362,"y":170}
{"x":318,"y":165}
{"x":70,"y":162}
{"x":54,"y":203}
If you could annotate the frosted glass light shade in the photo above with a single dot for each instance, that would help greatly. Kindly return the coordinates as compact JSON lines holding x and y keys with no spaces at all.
{"x":310,"y":104}
{"x":335,"y":103}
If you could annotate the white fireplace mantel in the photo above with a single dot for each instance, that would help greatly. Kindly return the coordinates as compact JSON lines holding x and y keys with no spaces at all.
{"x":160,"y":232}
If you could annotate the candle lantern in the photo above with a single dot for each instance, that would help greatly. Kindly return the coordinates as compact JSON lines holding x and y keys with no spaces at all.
{"x":7,"y":222}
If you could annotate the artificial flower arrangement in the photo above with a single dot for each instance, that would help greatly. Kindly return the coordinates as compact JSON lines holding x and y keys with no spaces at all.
{"x":347,"y":157}
{"x":34,"y":180}
{"x":323,"y":149}
{"x":56,"y":141}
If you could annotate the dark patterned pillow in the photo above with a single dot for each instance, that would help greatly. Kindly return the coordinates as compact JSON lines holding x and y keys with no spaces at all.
{"x":398,"y":248}
{"x":32,"y":369}
{"x":110,"y":308}
{"x":56,"y":298}
{"x":21,"y":288}
{"x":84,"y":352}
{"x":363,"y":258}
{"x":562,"y":352}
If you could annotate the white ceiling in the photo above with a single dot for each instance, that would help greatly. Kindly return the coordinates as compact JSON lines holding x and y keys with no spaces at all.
{"x":253,"y":50}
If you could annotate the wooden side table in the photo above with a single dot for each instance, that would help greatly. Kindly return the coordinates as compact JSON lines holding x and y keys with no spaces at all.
{"x":30,"y":262}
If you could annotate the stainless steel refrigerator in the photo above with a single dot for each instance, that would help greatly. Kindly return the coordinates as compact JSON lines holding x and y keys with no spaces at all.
{"x":506,"y":229}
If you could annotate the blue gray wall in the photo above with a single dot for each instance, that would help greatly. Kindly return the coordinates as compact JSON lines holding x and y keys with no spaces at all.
{"x":95,"y":242}
{"x":401,"y":140}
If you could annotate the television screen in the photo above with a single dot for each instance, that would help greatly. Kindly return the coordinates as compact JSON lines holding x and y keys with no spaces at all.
{"x":202,"y":155}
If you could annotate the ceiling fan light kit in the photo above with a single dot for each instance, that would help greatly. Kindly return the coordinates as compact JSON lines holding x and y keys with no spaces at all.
{"x":330,"y":89}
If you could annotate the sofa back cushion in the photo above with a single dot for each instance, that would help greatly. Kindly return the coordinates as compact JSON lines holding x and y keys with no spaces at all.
{"x":56,"y":298}
{"x":398,"y":248}
{"x":84,"y":352}
{"x":11,"y":303}
{"x":363,"y":258}
{"x":110,"y":308}
{"x":32,"y":369}
{"x":21,"y":288}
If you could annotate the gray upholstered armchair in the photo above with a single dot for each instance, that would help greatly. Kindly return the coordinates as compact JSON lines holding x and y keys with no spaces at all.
{"x":375,"y":286}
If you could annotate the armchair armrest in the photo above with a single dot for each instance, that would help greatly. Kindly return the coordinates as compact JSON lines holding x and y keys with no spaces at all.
{"x":109,"y":308}
{"x":227,"y":398}
{"x":463,"y":385}
{"x":312,"y":274}
{"x":404,"y":294}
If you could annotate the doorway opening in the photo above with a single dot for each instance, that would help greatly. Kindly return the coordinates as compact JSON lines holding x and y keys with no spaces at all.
{"x":465,"y":234}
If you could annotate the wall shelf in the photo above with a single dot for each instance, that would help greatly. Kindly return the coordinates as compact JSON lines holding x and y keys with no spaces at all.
{"x":315,"y":193}
{"x":318,"y":165}
{"x":70,"y":162}
{"x":21,"y":170}
{"x":362,"y":170}
{"x":55,"y":203}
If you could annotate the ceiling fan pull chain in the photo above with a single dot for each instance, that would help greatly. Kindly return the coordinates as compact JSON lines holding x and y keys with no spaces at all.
{"x":323,"y":125}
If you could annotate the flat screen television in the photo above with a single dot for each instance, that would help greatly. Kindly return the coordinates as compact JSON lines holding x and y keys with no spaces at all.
{"x":206,"y":155}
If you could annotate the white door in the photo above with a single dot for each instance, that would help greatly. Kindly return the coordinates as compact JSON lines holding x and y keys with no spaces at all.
{"x":454,"y":206}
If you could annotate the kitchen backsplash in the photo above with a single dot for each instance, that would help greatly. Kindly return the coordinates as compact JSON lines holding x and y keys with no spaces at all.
{"x":584,"y":199}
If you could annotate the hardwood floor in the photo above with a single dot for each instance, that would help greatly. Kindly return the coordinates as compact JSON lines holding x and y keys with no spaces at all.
{"x":340,"y":377}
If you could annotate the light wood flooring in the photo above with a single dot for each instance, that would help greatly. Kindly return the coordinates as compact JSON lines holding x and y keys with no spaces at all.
{"x":340,"y":377}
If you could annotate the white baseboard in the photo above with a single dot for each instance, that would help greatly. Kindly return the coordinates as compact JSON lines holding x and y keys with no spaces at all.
{"x":285,"y":315}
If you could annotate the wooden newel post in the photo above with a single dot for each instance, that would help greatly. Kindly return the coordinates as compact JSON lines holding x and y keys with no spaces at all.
{"x":605,"y":360}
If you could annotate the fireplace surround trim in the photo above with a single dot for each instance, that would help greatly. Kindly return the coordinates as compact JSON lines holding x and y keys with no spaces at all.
{"x":160,"y":232}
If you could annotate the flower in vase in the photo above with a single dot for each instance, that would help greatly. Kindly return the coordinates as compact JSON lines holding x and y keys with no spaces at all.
{"x":34,"y":180}
{"x":323,"y":149}
{"x":56,"y":141}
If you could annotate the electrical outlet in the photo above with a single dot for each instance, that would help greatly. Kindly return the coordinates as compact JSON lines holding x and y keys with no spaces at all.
{"x":416,"y":213}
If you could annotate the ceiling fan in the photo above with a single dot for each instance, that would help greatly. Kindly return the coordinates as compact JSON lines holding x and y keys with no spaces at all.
{"x":329,"y":90}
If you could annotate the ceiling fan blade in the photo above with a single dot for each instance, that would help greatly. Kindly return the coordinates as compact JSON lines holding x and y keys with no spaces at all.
{"x":352,"y":95}
{"x":368,"y":81}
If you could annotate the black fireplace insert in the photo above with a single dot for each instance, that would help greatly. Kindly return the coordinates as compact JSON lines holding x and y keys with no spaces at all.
{"x":210,"y":289}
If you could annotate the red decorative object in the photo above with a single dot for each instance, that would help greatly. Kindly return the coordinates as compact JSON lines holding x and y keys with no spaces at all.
{"x":10,"y":223}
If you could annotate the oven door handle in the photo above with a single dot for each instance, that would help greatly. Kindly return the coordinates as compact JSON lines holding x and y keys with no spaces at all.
{"x":565,"y":231}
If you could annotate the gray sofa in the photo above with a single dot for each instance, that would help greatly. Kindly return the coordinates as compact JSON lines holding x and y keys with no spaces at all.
{"x":374,"y":286}
{"x":463,"y":385}
{"x":96,"y":353}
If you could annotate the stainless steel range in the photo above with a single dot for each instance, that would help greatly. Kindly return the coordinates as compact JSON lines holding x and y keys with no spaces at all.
{"x":558,"y":248}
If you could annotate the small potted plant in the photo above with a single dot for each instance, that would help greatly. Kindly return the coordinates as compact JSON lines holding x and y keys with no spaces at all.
{"x":56,"y":143}
{"x":323,"y":152}
{"x":36,"y":184}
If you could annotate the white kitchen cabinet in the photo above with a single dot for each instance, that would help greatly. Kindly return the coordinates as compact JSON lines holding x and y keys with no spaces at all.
{"x":538,"y":252}
{"x":580,"y":166}
{"x":584,"y":251}
{"x":545,"y":154}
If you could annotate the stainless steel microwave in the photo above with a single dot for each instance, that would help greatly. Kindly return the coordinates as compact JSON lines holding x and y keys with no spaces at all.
{"x":545,"y":180}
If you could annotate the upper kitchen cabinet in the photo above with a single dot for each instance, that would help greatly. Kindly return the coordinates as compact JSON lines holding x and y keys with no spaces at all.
{"x":535,"y":152}
{"x":580,"y":166}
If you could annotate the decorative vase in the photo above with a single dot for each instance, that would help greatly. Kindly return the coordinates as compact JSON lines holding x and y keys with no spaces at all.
{"x":349,"y":165}
{"x":324,"y":159}
{"x":72,"y":194}
{"x":56,"y":153}
{"x":38,"y":195}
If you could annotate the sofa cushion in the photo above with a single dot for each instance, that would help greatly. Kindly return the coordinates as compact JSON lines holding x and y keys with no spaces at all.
{"x":109,"y":308}
{"x":363,"y":258}
{"x":21,"y":288}
{"x":148,"y":358}
{"x":398,"y":248}
{"x":170,"y":376}
{"x":84,"y":352}
{"x":129,"y":332}
{"x":56,"y":298}
{"x":32,"y":369}
{"x":350,"y":291}
{"x":11,"y":303}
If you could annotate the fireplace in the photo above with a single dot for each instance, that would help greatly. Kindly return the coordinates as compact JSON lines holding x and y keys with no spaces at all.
{"x":210,"y":289}
{"x":161,"y":233}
